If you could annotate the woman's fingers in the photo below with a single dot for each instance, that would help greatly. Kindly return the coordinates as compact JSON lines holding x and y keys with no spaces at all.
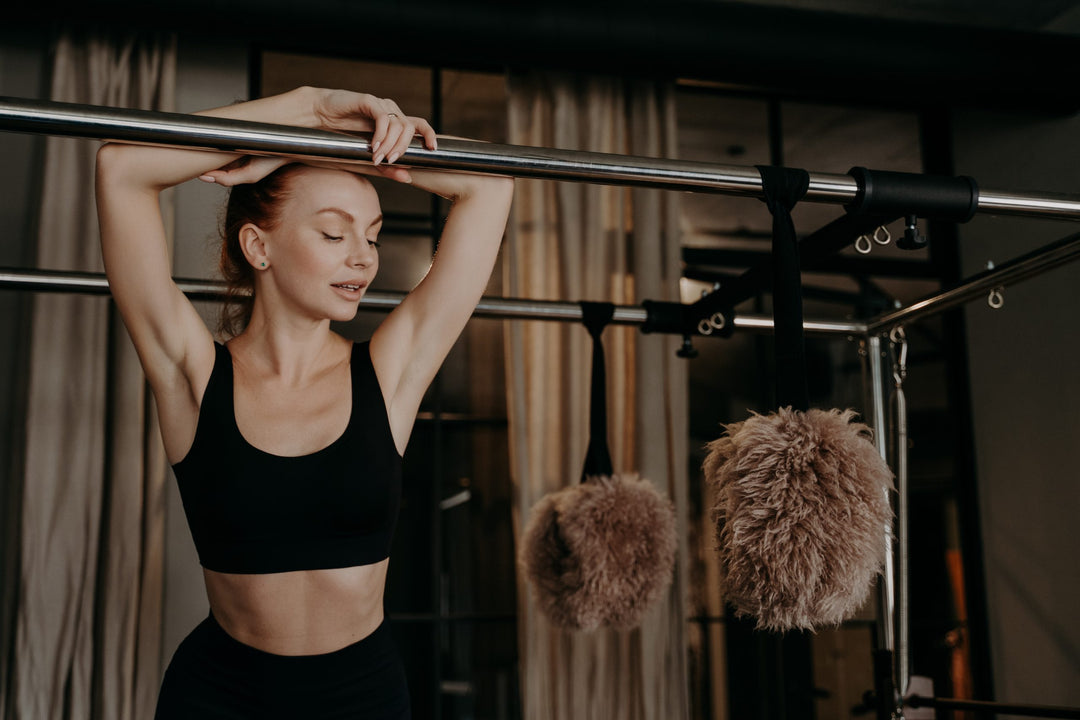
{"x":407,"y":132}
{"x":395,"y":173}
{"x":244,"y":170}
{"x":423,"y":127}
{"x":391,"y":129}
{"x":405,"y":128}
{"x":388,"y":133}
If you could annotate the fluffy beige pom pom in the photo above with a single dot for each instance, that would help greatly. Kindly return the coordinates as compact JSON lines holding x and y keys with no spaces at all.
{"x":801,"y":507}
{"x":600,"y":553}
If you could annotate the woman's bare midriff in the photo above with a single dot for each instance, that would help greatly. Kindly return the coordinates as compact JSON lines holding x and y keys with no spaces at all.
{"x":307,"y":612}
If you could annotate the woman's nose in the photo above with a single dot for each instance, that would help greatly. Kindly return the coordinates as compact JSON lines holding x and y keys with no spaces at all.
{"x":363,"y":254}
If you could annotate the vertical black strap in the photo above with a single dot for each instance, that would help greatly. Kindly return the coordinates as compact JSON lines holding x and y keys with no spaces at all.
{"x":598,"y":458}
{"x":783,"y":188}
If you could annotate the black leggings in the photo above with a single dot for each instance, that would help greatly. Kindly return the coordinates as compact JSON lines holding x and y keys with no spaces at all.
{"x":216,"y":677}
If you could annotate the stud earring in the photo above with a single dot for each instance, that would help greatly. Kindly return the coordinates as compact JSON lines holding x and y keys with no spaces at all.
{"x":264,"y":264}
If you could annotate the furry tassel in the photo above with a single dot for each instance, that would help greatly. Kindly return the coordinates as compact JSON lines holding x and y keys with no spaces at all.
{"x":600,"y":553}
{"x":801,"y":510}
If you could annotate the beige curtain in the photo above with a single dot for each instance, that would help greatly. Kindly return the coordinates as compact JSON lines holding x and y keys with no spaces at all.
{"x":90,"y":587}
{"x":574,"y":241}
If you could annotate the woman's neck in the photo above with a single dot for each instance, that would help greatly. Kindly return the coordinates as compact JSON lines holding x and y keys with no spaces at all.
{"x":289,"y":349}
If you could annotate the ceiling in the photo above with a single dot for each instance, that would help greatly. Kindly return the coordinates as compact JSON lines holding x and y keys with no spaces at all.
{"x":1062,"y":16}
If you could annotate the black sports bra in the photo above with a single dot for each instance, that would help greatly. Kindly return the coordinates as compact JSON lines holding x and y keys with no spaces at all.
{"x":254,"y":512}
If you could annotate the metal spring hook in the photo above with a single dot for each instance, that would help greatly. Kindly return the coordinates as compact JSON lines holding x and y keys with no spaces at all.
{"x":865,"y":243}
{"x":899,"y":347}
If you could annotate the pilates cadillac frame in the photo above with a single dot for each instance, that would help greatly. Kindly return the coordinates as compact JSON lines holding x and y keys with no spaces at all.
{"x":871,"y":198}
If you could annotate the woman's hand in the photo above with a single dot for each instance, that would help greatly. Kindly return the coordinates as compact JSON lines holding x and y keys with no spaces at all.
{"x":252,"y":169}
{"x":244,"y":170}
{"x":392,"y":130}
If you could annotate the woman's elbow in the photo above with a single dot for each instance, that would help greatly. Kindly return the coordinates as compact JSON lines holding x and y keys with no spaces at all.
{"x":502,"y":186}
{"x":110,"y":156}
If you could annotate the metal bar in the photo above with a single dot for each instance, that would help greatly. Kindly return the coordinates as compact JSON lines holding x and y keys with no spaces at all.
{"x":1001,"y":202}
{"x":196,"y":131}
{"x":876,"y":357}
{"x":996,"y":708}
{"x":714,"y":257}
{"x":1034,"y":263}
{"x":488,"y":307}
{"x":887,"y":588}
{"x":823,"y":242}
{"x":764,"y":323}
{"x":903,"y":595}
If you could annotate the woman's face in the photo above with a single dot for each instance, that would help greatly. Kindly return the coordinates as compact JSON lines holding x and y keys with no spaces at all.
{"x":323,"y":253}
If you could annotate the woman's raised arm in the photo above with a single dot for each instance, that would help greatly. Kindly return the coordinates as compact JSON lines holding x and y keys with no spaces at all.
{"x":174,"y":345}
{"x":410,"y":345}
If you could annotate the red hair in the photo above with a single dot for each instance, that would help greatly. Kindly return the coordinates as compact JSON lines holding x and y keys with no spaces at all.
{"x":258,"y":203}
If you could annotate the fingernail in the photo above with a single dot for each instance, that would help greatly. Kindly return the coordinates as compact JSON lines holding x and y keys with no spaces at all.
{"x":393,"y":157}
{"x":378,"y":158}
{"x":206,"y":178}
{"x":375,"y":147}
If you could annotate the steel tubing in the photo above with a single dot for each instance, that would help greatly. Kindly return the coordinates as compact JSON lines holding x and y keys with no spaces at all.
{"x":1034,"y":263}
{"x":196,"y":131}
{"x":489,"y":307}
{"x":996,"y":708}
{"x":887,"y":588}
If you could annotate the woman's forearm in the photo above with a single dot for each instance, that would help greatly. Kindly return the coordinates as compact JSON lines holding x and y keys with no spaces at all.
{"x":156,"y":168}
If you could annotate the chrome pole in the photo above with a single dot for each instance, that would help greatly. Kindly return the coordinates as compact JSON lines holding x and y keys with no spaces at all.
{"x":384,"y":301}
{"x":208,"y":133}
{"x":197,"y":131}
{"x":898,"y":360}
{"x":1001,"y":202}
{"x":887,"y":589}
{"x":1034,"y":263}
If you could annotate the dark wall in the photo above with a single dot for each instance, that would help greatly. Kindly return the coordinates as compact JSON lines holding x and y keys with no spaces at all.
{"x":1026,"y":411}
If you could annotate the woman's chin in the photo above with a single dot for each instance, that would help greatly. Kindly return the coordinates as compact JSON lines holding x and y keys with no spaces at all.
{"x":344,"y":314}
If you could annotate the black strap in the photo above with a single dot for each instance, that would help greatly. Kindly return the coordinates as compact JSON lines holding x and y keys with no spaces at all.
{"x":783,"y":188}
{"x":596,"y":316}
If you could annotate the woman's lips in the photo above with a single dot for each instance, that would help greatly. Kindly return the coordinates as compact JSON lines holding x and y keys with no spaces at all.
{"x":351,"y":290}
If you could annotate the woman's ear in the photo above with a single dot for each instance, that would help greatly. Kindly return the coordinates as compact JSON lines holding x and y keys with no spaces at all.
{"x":253,"y":245}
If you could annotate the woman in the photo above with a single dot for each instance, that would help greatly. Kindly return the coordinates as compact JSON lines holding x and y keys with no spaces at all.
{"x":287,"y":440}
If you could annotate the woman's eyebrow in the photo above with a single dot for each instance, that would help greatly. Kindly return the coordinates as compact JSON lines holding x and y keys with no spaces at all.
{"x":348,"y":216}
{"x":337,"y":211}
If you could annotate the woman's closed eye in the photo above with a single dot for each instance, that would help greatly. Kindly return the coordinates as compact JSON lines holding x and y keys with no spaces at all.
{"x":373,"y":242}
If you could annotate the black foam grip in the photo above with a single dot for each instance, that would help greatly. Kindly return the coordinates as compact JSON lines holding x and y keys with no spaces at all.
{"x":933,"y":197}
